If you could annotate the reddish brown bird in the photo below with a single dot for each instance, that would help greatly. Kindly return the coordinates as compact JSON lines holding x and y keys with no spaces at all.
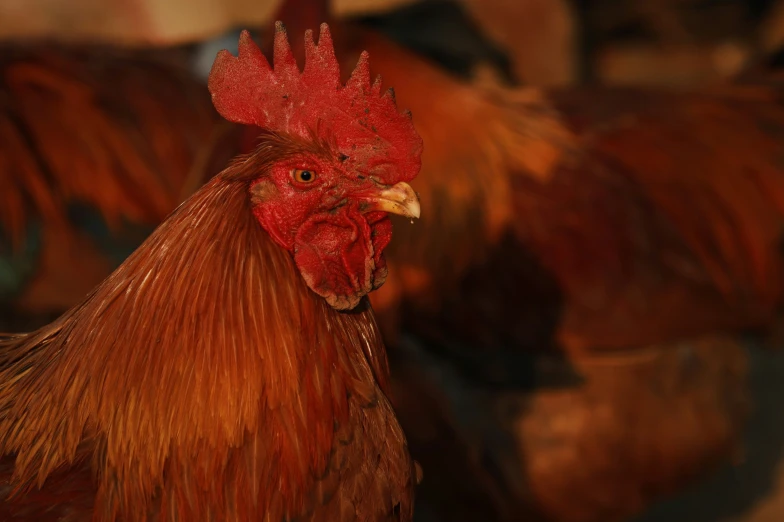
{"x":231,"y":368}
{"x":586,"y":222}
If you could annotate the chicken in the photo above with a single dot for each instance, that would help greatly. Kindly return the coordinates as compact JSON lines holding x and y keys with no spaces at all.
{"x":569,"y":225}
{"x":231,"y":367}
{"x":567,"y":316}
{"x":97,"y":146}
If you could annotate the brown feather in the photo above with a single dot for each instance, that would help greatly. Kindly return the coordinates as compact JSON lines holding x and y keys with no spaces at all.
{"x":128,"y":134}
{"x":207,"y":381}
{"x":111,"y":129}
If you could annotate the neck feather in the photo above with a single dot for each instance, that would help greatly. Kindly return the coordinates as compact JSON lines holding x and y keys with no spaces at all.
{"x":205,"y":334}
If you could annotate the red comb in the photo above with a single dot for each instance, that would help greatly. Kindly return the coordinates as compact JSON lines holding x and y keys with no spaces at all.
{"x":362,"y":122}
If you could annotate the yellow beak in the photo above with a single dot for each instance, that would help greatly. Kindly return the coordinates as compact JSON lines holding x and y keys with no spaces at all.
{"x":398,"y":199}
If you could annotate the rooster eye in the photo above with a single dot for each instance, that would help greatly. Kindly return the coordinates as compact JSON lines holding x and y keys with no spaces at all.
{"x":303,"y":175}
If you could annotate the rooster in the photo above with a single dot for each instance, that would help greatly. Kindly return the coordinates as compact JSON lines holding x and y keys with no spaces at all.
{"x":569,"y":225}
{"x":231,"y":367}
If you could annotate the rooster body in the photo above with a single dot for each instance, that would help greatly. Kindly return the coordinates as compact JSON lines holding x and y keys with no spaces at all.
{"x":230,"y":369}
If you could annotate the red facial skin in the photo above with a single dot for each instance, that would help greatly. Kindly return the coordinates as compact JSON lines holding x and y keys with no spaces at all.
{"x":337,"y":246}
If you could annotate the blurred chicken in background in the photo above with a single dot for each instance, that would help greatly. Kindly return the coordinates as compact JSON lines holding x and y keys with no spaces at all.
{"x":571,"y":351}
{"x":97,"y":146}
{"x":567,"y":225}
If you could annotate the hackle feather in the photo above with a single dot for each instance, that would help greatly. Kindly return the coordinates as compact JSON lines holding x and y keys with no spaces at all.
{"x":203,"y":378}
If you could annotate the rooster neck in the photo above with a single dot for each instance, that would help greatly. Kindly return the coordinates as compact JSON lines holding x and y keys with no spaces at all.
{"x":204,"y":337}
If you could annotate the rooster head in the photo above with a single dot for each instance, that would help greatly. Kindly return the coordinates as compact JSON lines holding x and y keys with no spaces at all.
{"x":338,"y":159}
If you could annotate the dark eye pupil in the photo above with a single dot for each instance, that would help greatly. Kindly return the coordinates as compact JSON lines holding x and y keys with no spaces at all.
{"x":305,"y":175}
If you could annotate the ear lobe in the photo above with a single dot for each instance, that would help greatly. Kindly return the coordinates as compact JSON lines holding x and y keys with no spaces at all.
{"x":263,"y":191}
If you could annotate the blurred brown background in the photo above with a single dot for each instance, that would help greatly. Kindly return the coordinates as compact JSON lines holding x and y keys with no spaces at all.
{"x":680,"y":45}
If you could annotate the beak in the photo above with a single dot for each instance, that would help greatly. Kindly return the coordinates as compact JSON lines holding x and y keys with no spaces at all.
{"x":398,"y":199}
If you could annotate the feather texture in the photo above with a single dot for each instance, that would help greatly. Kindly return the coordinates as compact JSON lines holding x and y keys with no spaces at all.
{"x":97,"y":147}
{"x":203,"y":380}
